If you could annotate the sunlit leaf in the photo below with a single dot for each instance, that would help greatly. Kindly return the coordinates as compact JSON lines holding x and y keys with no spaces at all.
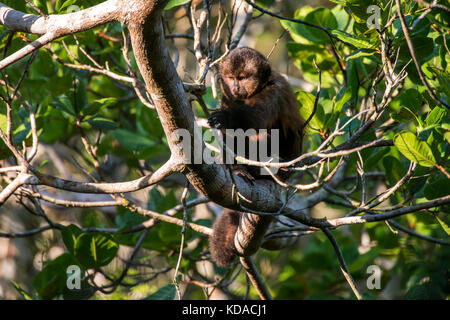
{"x":164,"y":293}
{"x":414,"y":149}
{"x":95,"y":250}
{"x":306,"y":102}
{"x":174,"y":3}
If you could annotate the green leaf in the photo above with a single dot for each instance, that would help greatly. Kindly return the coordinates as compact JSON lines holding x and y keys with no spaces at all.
{"x":51,"y":281}
{"x":21,"y":133}
{"x":436,"y":189}
{"x":435,"y":116}
{"x":404,"y":115}
{"x":70,"y":235}
{"x":171,"y":234}
{"x":95,"y":106}
{"x":128,"y":218}
{"x":102,"y":123}
{"x":175,"y":3}
{"x":55,"y":126}
{"x":374,"y":159}
{"x":444,"y":80}
{"x":165,"y":293}
{"x":132,"y":141}
{"x":298,"y":31}
{"x":21,"y":291}
{"x":360,"y":53}
{"x":66,"y":4}
{"x":341,"y":2}
{"x":341,"y":16}
{"x":95,"y":250}
{"x":152,"y":152}
{"x":306,"y":101}
{"x":414,"y":149}
{"x":429,"y":100}
{"x":17,"y":5}
{"x":411,"y":98}
{"x":60,"y":5}
{"x":443,"y":224}
{"x":63,"y":103}
{"x":320,"y":16}
{"x":358,"y":9}
{"x":344,"y":95}
{"x":423,"y":47}
{"x":357,"y":42}
{"x":84,"y":293}
{"x":148,"y":121}
{"x":264,"y":3}
{"x":352,"y":78}
{"x":395,"y":169}
{"x":159,"y":202}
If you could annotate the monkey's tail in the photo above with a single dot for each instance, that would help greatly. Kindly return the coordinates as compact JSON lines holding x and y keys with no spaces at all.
{"x":221,"y":242}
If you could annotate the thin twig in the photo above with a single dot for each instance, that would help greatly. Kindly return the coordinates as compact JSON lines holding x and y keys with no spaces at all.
{"x":255,"y":278}
{"x":272,"y":14}
{"x":183,"y":234}
{"x":418,"y":235}
{"x":316,"y":101}
{"x":414,"y":57}
{"x":342,"y":264}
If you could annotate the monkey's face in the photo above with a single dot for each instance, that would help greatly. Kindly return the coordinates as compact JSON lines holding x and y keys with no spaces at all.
{"x":240,"y":85}
{"x":243,"y":73}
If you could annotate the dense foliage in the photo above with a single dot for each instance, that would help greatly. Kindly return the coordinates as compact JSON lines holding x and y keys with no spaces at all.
{"x":80,"y":108}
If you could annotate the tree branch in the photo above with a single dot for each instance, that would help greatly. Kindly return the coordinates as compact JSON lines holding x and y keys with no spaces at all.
{"x":342,"y":264}
{"x":56,"y":26}
{"x":255,"y":278}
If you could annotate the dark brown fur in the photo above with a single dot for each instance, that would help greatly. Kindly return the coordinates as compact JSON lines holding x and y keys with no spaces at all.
{"x":221,"y":243}
{"x":254,"y":97}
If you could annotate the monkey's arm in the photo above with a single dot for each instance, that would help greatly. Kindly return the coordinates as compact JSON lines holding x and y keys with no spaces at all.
{"x":236,"y":115}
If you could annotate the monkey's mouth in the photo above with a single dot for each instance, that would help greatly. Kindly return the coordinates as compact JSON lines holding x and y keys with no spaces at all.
{"x":240,"y":95}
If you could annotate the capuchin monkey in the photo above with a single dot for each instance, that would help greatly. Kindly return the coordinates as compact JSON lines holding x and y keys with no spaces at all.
{"x":254,"y":97}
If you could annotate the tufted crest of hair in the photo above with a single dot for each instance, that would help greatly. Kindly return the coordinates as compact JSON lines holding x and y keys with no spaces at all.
{"x":221,"y":243}
{"x":249,"y":64}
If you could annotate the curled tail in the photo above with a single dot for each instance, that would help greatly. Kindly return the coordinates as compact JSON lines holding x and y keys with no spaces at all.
{"x":221,"y":242}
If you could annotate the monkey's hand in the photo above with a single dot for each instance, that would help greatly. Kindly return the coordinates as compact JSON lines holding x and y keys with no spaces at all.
{"x":220,"y":119}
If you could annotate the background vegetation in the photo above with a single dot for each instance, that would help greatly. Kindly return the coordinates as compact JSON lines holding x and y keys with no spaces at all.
{"x":95,"y":122}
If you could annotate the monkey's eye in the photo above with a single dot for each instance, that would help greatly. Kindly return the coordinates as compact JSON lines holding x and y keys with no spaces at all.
{"x":240,"y":78}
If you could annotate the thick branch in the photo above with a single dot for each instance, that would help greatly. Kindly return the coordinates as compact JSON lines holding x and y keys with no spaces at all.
{"x":176,"y":116}
{"x":86,"y":187}
{"x":370,"y":217}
